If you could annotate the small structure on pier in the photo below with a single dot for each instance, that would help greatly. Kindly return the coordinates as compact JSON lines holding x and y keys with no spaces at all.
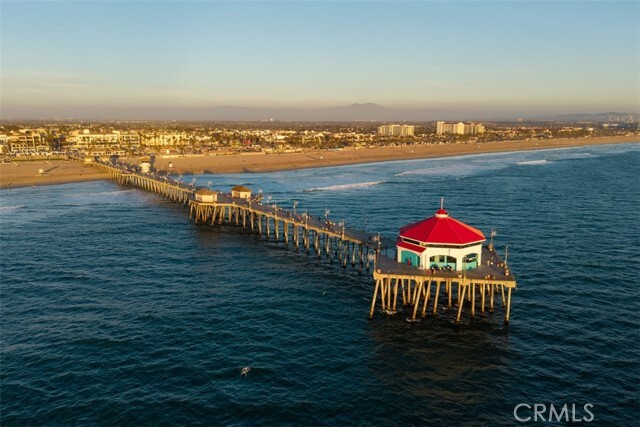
{"x":440,"y":242}
{"x":241,"y":191}
{"x":205,"y":195}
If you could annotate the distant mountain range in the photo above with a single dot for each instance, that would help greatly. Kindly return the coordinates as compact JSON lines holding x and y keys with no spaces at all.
{"x":353,"y":112}
{"x":349,"y":113}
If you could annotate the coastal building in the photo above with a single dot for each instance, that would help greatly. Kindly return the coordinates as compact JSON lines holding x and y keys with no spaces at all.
{"x":166,"y":139}
{"x":27,"y":142}
{"x":129,"y":139}
{"x":86,"y":137}
{"x":241,"y":191}
{"x":99,"y":144}
{"x":459,"y":128}
{"x":5,"y":148}
{"x":440,"y":242}
{"x":396,"y":130}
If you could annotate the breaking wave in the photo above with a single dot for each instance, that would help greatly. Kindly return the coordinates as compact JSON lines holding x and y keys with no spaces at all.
{"x":10,"y":208}
{"x":342,"y":187}
{"x":453,"y":169}
{"x":533,"y":162}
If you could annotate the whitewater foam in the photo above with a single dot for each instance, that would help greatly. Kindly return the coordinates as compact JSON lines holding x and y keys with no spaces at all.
{"x":11,"y":208}
{"x":342,"y":187}
{"x":453,"y":169}
{"x":533,"y":162}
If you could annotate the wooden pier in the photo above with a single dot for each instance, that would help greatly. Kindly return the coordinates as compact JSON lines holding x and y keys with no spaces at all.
{"x":301,"y":230}
{"x":420,"y":291}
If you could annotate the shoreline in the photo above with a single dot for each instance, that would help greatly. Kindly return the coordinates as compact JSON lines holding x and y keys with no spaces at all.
{"x":26,"y":174}
{"x":261,"y":163}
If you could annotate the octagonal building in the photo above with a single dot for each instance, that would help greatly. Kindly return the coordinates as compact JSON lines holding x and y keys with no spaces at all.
{"x":440,"y":242}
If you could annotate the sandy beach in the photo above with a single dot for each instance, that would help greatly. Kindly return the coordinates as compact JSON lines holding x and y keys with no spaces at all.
{"x":254,"y":163}
{"x":26,"y":174}
{"x":21,"y":174}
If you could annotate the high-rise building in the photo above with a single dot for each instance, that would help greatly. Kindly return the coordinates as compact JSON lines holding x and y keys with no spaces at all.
{"x":459,"y":128}
{"x":396,"y":130}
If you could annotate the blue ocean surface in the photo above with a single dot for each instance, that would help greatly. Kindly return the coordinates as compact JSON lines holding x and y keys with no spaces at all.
{"x":116,"y":310}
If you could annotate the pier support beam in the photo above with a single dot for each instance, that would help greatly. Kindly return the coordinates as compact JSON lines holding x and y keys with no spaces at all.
{"x":375,"y":295}
{"x":508,"y":312}
{"x":461,"y":303}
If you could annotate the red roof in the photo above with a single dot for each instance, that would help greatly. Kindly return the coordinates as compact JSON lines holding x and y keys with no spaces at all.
{"x":442,"y":229}
{"x":410,"y":246}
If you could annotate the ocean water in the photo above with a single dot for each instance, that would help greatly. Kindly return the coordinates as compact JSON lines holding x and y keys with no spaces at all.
{"x":116,"y":310}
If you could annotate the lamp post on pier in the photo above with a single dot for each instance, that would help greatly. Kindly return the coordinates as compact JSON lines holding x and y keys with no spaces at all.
{"x":506,"y":257}
{"x":376,"y":239}
{"x":371,"y":257}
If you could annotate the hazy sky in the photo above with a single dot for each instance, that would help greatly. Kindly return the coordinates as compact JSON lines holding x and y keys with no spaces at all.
{"x":578,"y":56}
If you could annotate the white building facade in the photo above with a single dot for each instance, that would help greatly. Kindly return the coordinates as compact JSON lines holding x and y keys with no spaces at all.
{"x":440,"y":242}
{"x":459,"y":128}
{"x":396,"y":130}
